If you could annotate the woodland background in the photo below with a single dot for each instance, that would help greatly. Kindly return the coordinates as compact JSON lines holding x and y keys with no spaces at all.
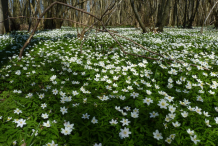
{"x":146,"y":14}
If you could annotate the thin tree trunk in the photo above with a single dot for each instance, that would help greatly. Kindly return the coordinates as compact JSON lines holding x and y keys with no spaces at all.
{"x":49,"y":23}
{"x":138,"y":17}
{"x":30,"y":19}
{"x":163,"y":11}
{"x":16,"y":13}
{"x":195,"y":9}
{"x":185,"y":14}
{"x":4,"y":27}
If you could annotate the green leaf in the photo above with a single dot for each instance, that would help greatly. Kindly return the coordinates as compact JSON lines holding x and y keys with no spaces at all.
{"x":3,"y":138}
{"x":33,"y":135}
{"x":25,"y":133}
{"x":210,"y":142}
{"x":131,"y":142}
{"x":54,"y":130}
{"x":178,"y":140}
{"x":155,"y":74}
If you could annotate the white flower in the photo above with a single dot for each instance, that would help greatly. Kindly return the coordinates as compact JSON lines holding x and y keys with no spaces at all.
{"x":63,"y":110}
{"x":165,"y":125}
{"x":163,"y":104}
{"x":134,"y":115}
{"x":9,"y":118}
{"x":216,"y":119}
{"x":172,"y":136}
{"x":168,"y":140}
{"x":134,"y":95}
{"x":194,"y":139}
{"x":190,"y":132}
{"x":199,"y":98}
{"x":169,"y":98}
{"x":216,"y":108}
{"x":153,"y":114}
{"x":184,"y":114}
{"x":211,"y":92}
{"x":17,"y":111}
{"x":191,"y":109}
{"x":55,"y":91}
{"x":36,"y":133}
{"x":176,"y":124}
{"x":85,"y":116}
{"x":53,"y":78}
{"x":97,"y":144}
{"x":66,"y":131}
{"x":198,"y":110}
{"x":18,"y":72}
{"x":52,"y":144}
{"x":115,"y":78}
{"x":122,"y":97}
{"x":167,"y":119}
{"x":171,"y":115}
{"x":207,"y":122}
{"x":124,"y":132}
{"x":147,"y":100}
{"x":68,"y":125}
{"x":21,"y":122}
{"x":41,"y":96}
{"x":113,"y":122}
{"x":47,"y":124}
{"x":117,"y":107}
{"x":94,"y":120}
{"x":171,"y":108}
{"x":157,"y":135}
{"x":136,"y":110}
{"x":85,"y":100}
{"x":45,"y":116}
{"x":75,"y":93}
{"x":44,"y":105}
{"x":206,"y":114}
{"x":127,"y":108}
{"x":14,"y":143}
{"x":170,"y":80}
{"x":125,"y":122}
{"x":148,"y":92}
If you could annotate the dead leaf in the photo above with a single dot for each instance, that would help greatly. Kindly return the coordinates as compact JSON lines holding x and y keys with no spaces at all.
{"x":24,"y":144}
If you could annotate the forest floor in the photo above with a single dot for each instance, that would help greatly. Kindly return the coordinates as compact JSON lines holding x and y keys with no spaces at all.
{"x":164,"y":95}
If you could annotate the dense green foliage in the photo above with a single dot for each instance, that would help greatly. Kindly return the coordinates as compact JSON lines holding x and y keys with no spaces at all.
{"x":102,"y":96}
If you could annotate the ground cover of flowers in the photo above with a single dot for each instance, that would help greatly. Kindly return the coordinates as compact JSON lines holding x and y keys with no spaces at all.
{"x":55,"y":95}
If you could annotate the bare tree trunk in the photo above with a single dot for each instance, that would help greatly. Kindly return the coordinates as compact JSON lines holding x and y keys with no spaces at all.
{"x":163,"y":11}
{"x":194,"y":11}
{"x":49,"y":23}
{"x":174,"y":14}
{"x":4,"y":27}
{"x":30,"y":19}
{"x":185,"y":14}
{"x":138,"y":17}
{"x":16,"y":13}
{"x":59,"y":14}
{"x":215,"y":13}
{"x":171,"y":14}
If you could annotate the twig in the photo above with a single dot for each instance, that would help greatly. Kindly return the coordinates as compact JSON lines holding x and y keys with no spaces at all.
{"x":30,"y":37}
{"x":208,"y":17}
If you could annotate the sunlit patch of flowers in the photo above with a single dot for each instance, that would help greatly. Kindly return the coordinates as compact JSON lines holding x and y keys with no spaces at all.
{"x":103,"y":93}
